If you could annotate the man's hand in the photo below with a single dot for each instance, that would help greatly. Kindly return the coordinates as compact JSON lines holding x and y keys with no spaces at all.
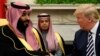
{"x":51,"y":54}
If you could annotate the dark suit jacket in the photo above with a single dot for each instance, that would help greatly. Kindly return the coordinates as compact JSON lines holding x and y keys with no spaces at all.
{"x":80,"y":42}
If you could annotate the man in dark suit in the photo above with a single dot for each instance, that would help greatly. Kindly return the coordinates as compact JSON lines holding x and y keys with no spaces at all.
{"x":87,"y":39}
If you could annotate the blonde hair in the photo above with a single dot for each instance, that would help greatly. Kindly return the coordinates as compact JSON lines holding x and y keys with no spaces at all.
{"x":88,"y":10}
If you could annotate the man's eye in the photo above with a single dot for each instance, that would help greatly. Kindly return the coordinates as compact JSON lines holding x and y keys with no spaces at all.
{"x":28,"y":14}
{"x":46,"y":21}
{"x":23,"y":14}
{"x":41,"y":21}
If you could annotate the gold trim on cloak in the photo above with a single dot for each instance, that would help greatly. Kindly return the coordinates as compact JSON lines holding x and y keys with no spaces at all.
{"x":3,"y":22}
{"x":22,"y":41}
{"x":38,"y":38}
{"x":60,"y":42}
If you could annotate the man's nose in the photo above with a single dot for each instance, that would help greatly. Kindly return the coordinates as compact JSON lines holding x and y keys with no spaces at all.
{"x":44,"y":22}
{"x":27,"y":17}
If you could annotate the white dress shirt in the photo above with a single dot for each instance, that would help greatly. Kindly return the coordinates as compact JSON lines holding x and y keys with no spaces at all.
{"x":94,"y":31}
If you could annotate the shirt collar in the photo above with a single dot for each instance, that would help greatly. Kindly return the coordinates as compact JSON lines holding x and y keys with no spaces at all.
{"x":94,"y":29}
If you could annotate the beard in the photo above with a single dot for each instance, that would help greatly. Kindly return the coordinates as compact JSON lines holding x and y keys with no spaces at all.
{"x":26,"y":23}
{"x":22,"y":25}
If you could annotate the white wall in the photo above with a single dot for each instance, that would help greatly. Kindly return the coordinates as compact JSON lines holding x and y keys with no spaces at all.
{"x":57,"y":16}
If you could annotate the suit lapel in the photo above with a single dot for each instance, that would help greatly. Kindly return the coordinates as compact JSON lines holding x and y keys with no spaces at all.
{"x":97,"y":41}
{"x":82,"y":41}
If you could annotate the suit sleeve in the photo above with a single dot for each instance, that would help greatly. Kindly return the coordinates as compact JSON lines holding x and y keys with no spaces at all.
{"x":75,"y":51}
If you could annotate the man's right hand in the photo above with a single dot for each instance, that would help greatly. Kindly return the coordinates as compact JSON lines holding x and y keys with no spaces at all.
{"x":51,"y":54}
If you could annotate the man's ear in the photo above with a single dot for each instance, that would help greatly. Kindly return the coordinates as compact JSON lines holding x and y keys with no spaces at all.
{"x":90,"y":18}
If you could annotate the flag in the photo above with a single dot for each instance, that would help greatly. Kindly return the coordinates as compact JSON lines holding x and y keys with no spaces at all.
{"x":2,"y":8}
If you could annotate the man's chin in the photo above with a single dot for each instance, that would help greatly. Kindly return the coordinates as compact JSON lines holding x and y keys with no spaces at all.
{"x":45,"y":29}
{"x":26,"y":24}
{"x":85,"y":29}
